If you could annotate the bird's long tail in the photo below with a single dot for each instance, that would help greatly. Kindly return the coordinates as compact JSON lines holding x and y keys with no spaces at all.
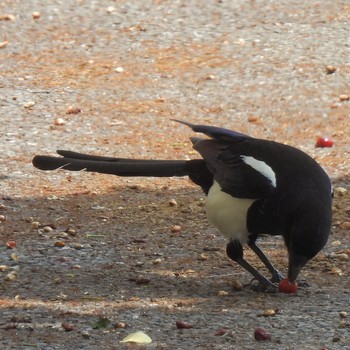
{"x":73,"y":161}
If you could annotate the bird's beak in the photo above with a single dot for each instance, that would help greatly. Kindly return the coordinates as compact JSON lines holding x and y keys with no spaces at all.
{"x":296,"y":263}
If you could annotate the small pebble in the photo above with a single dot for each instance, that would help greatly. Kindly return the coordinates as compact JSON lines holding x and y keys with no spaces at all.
{"x":47,"y":229}
{"x":110,"y":9}
{"x":59,"y":244}
{"x":2,"y":218}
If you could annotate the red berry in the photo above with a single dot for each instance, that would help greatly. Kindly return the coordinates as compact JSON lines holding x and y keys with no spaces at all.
{"x":261,"y":334}
{"x":286,"y":286}
{"x":11,"y":244}
{"x":324,"y":142}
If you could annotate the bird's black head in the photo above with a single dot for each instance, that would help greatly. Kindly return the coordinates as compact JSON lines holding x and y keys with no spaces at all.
{"x":306,"y":237}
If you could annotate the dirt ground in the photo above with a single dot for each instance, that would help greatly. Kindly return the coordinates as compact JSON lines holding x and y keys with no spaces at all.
{"x":95,"y":256}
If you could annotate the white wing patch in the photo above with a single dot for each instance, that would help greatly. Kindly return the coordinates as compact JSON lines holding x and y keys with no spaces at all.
{"x":261,"y":167}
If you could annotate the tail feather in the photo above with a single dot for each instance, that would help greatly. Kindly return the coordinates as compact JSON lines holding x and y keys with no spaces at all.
{"x":117,"y":166}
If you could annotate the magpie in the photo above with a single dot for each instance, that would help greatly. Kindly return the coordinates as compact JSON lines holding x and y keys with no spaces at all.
{"x":252,"y":186}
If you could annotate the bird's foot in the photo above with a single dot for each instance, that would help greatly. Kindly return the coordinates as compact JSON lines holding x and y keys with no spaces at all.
{"x":277,"y":277}
{"x":263,"y":286}
{"x":303,"y":284}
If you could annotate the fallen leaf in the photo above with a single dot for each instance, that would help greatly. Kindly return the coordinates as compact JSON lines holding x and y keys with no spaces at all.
{"x":101,"y":323}
{"x":137,"y":337}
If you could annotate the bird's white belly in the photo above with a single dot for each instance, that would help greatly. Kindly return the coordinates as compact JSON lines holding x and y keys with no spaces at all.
{"x":228,"y":214}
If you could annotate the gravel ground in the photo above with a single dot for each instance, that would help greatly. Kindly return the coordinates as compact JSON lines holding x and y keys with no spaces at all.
{"x":106,"y":77}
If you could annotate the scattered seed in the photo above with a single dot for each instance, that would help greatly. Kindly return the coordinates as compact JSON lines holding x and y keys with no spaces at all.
{"x":62,"y":235}
{"x":343,"y":314}
{"x":183,"y":325}
{"x":203,"y":257}
{"x":142,"y":280}
{"x":340,"y":191}
{"x":35,"y":224}
{"x":71,"y":231}
{"x":260,"y":334}
{"x":253,"y":119}
{"x":15,"y":257}
{"x":47,"y":229}
{"x":59,"y":244}
{"x":59,"y":121}
{"x":110,"y":9}
{"x":345,"y":225}
{"x":29,"y":104}
{"x":7,"y":17}
{"x":269,"y":312}
{"x":68,"y":327}
{"x":120,"y":325}
{"x":36,"y":15}
{"x":336,"y":271}
{"x":237,"y":286}
{"x":336,"y":338}
{"x":331,"y":69}
{"x":344,"y":97}
{"x":3,"y":268}
{"x":8,"y":326}
{"x":176,"y":228}
{"x":222,"y":331}
{"x":157,"y":261}
{"x":73,"y":110}
{"x":119,"y":69}
{"x":11,"y":276}
{"x":3,"y":44}
{"x":222,"y":293}
{"x":77,"y":246}
{"x":172,"y":202}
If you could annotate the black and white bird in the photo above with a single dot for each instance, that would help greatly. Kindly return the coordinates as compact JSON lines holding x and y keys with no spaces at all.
{"x":253,"y":187}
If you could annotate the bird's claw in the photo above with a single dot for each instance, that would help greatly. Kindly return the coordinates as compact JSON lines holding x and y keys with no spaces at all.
{"x":262,"y":286}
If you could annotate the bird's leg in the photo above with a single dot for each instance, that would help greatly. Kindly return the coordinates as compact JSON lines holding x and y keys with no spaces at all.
{"x":234,"y":251}
{"x":276,"y":275}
